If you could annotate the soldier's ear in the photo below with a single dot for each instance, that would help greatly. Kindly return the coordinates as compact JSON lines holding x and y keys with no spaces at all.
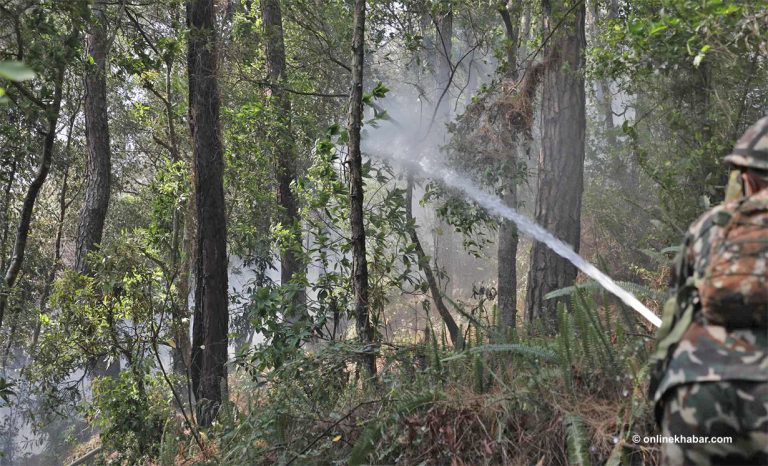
{"x":754,"y":181}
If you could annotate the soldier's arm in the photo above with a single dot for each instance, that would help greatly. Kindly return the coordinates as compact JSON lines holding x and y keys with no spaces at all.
{"x":674,"y":309}
{"x":681,"y":285}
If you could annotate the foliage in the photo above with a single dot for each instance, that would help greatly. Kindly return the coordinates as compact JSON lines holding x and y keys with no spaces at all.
{"x":13,"y":71}
{"x":674,"y":82}
{"x":130,"y":412}
{"x":6,"y":390}
{"x":313,"y":409}
{"x":696,"y":77}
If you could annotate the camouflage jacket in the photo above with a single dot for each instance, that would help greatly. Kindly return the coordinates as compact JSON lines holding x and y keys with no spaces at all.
{"x":690,"y":349}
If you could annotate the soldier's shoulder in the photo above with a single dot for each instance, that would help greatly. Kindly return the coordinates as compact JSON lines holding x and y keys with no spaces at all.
{"x":757,"y":201}
{"x":717,"y":216}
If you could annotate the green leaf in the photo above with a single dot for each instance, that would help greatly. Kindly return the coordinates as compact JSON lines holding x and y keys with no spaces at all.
{"x":16,"y":71}
{"x":380,"y":91}
{"x":6,"y":390}
{"x":657,"y":28}
{"x":700,"y":56}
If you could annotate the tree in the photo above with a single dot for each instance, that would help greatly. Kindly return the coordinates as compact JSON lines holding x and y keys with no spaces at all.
{"x":443,"y":19}
{"x":561,"y":164}
{"x":211,"y":316}
{"x":98,"y":175}
{"x":356,"y":189}
{"x":49,"y":105}
{"x":166,"y":48}
{"x":507,"y":243}
{"x":291,"y":263}
{"x":450,"y":323}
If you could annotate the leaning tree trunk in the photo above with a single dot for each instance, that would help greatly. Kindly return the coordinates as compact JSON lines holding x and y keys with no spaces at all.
{"x":424,"y":265}
{"x":291,"y":264}
{"x":25,"y":218}
{"x":211,"y":320}
{"x":354,"y":159}
{"x":63,"y":205}
{"x":96,"y":202}
{"x":561,"y":163}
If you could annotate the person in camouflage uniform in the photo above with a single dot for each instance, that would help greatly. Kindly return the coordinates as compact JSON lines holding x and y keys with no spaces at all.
{"x":710,"y":380}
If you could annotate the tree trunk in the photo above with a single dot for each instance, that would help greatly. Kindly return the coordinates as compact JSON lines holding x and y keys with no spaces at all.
{"x":365,"y":331}
{"x":447,"y":250}
{"x":211,"y":324}
{"x":561,"y":164}
{"x":291,"y":263}
{"x":183,"y":239}
{"x":443,"y":50}
{"x":510,"y":15}
{"x":184,"y":242}
{"x":424,"y":266}
{"x":96,"y":202}
{"x":5,"y":220}
{"x":184,"y":220}
{"x":507,"y":263}
{"x":603,"y":86}
{"x":508,"y":238}
{"x":25,"y":218}
{"x":63,"y":205}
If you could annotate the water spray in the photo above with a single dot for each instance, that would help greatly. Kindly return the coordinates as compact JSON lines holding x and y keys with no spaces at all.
{"x":496,"y":206}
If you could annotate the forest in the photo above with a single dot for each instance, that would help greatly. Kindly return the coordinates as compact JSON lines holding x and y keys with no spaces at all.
{"x":310,"y":232}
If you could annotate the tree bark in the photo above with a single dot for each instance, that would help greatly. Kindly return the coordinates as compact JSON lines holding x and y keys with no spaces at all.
{"x":211,"y":320}
{"x":507,"y":263}
{"x":561,"y":163}
{"x":94,"y":212}
{"x":365,"y":332}
{"x":291,"y":263}
{"x":508,"y":238}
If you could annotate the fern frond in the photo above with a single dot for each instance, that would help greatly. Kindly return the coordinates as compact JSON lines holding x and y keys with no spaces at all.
{"x":617,"y":456}
{"x":479,"y":375}
{"x":576,"y":440}
{"x":564,"y":344}
{"x":591,"y":285}
{"x":365,"y":444}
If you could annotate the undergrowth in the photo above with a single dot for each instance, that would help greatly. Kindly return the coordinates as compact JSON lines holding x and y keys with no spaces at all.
{"x":573,"y":399}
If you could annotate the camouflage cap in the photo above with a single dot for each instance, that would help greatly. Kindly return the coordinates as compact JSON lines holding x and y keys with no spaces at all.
{"x":752,"y":149}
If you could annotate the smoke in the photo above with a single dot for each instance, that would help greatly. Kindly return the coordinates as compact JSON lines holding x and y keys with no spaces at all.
{"x":412,"y":137}
{"x":427,"y":166}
